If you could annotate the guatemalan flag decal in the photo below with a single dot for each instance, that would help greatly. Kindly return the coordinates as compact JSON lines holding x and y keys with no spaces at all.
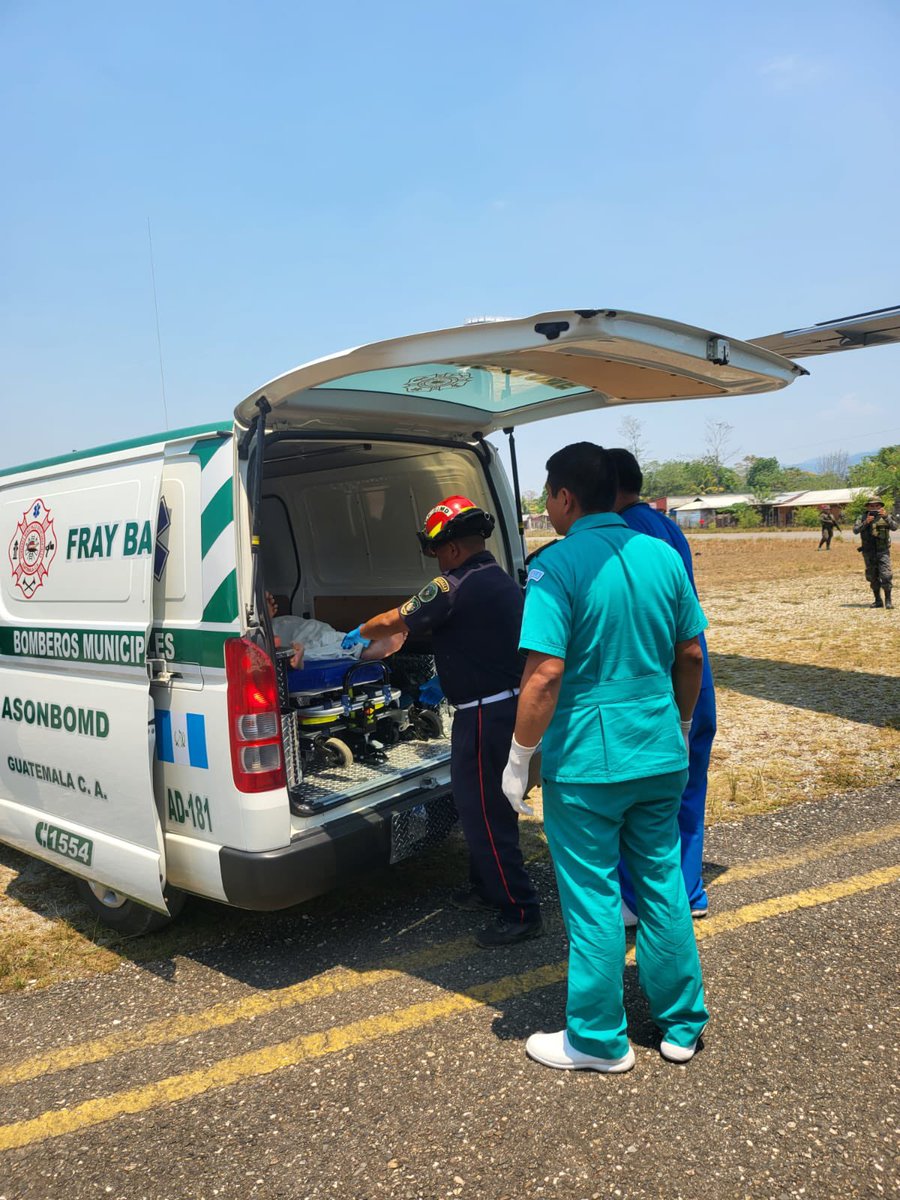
{"x":181,"y":738}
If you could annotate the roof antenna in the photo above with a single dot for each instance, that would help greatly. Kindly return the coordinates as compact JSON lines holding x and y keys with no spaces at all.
{"x":162,"y":376}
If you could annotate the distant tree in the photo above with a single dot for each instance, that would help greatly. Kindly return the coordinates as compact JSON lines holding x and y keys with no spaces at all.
{"x":667,"y":479}
{"x":708,"y":475}
{"x":881,"y":471}
{"x":763,"y":493}
{"x":762,"y":471}
{"x":836,"y":464}
{"x":534,"y":502}
{"x":718,"y":441}
{"x":631,"y":431}
{"x":807,"y":518}
{"x":829,"y":481}
{"x":855,"y":508}
{"x":747,"y":516}
{"x":793,"y":479}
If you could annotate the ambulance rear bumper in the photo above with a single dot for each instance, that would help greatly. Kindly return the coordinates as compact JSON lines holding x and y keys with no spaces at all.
{"x":330,"y":856}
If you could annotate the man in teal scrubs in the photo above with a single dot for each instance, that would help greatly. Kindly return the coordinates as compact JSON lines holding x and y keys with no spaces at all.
{"x":612,"y":628}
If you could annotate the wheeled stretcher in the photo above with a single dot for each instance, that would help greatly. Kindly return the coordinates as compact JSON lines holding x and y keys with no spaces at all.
{"x":342,"y":712}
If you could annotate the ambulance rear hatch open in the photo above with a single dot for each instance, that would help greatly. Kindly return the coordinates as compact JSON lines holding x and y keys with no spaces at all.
{"x":499,"y":374}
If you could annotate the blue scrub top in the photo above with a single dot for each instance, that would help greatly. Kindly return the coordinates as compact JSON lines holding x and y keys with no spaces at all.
{"x":612,"y":603}
{"x":644,"y":519}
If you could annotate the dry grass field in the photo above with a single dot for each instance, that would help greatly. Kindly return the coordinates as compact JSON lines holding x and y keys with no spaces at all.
{"x":807,"y":675}
{"x":808,"y":688}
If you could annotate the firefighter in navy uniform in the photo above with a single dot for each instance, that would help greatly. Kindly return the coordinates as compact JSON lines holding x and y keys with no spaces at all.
{"x":473,"y":611}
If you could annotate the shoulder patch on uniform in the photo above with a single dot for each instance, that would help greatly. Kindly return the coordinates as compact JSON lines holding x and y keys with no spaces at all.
{"x":433,"y":589}
{"x":410,"y":606}
{"x":534,"y":574}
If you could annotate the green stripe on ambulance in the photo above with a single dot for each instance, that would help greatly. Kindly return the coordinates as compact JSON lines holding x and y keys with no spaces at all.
{"x":202,"y":646}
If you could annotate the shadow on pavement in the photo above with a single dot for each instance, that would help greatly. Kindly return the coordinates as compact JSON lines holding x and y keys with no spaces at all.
{"x":381,"y":919}
{"x":857,"y":696}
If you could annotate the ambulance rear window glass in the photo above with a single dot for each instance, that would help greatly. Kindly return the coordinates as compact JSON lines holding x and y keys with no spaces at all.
{"x":492,"y":389}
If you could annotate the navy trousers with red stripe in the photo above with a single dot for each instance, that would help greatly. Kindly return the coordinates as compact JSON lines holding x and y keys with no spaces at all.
{"x":479,"y":749}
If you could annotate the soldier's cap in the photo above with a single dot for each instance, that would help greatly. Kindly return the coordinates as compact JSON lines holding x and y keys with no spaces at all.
{"x":875,"y":501}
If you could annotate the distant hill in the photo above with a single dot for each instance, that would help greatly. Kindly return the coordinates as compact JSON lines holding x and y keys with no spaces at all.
{"x":810,"y":464}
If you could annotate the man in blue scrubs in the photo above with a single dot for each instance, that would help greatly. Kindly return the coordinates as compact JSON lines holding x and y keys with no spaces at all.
{"x":644,"y":519}
{"x":611,"y":626}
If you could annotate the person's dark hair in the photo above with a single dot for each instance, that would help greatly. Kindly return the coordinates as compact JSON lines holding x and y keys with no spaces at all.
{"x":631,"y":477}
{"x":588,"y":472}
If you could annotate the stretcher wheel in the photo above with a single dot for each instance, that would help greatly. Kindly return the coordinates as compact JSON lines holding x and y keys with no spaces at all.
{"x":428,"y":724}
{"x":338,"y":752}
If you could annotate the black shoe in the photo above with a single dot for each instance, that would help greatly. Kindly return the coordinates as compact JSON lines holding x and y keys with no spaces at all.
{"x":508,"y":933}
{"x":470,"y":900}
{"x":877,"y":603}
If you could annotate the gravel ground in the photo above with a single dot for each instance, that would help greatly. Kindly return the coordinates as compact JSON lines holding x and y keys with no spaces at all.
{"x":793,"y":1095}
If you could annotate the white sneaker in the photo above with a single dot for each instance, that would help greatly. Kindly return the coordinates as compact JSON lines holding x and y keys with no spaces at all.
{"x":555,"y":1050}
{"x":629,"y":916}
{"x":677,"y":1054}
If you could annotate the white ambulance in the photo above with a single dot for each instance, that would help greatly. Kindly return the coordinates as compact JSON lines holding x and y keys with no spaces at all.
{"x":148,"y":744}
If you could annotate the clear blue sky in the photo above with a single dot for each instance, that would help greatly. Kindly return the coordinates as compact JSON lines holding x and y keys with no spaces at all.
{"x":317,"y":176}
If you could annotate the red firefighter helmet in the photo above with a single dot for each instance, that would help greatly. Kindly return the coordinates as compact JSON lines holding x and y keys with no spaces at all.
{"x":454,"y":517}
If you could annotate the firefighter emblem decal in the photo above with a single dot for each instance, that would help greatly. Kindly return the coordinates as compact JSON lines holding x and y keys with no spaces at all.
{"x":32,"y":549}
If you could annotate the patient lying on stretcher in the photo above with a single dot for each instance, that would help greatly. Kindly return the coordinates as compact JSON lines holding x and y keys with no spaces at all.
{"x":312,"y":640}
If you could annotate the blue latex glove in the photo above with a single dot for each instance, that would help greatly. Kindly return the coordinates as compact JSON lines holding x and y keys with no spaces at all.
{"x":355,"y":638}
{"x":431,"y":691}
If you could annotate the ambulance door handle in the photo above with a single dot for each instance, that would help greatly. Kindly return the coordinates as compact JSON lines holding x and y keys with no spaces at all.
{"x":159,"y":670}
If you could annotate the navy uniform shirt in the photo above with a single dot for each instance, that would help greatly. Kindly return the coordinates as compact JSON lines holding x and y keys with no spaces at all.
{"x":474,"y":614}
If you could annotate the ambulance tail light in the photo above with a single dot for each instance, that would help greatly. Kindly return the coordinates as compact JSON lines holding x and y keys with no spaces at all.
{"x":254,"y":721}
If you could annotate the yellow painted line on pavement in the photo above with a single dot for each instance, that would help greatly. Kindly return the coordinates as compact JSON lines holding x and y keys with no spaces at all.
{"x":273,"y":1058}
{"x":173,"y":1029}
{"x":262,"y":1062}
{"x":749,"y":914}
{"x":810,"y":854}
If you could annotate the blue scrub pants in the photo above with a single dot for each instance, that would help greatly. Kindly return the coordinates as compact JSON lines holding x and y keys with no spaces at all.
{"x":692,"y":812}
{"x":587,"y":827}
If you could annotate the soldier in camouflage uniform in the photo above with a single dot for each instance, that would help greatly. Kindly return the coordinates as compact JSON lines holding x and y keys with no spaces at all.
{"x":829,"y":525}
{"x":874,"y":528}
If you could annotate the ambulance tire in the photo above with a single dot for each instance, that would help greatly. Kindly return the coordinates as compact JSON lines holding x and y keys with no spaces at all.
{"x":117,"y":912}
{"x":339,"y":753}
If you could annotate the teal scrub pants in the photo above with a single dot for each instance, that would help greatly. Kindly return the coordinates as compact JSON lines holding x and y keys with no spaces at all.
{"x":587,"y":825}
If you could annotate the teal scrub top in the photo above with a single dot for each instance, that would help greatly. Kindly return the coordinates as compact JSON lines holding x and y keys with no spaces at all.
{"x":612,"y":603}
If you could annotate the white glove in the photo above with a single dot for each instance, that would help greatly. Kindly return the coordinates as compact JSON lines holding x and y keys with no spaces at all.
{"x":686,"y":733}
{"x":515,"y":777}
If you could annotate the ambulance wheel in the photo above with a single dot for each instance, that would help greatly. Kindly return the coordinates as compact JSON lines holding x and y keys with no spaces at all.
{"x":338,"y":752}
{"x":117,"y":912}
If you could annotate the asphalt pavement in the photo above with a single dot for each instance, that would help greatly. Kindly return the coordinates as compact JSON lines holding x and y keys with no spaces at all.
{"x":377,"y":1052}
